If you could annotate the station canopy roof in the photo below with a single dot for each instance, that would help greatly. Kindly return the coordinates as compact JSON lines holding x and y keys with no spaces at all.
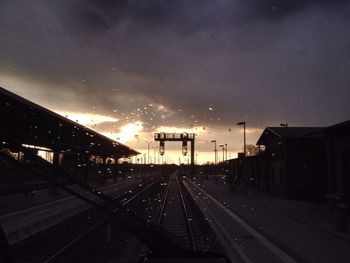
{"x":24,"y":122}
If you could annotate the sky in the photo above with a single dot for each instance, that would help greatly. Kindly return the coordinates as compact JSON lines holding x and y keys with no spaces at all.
{"x":130,"y":68}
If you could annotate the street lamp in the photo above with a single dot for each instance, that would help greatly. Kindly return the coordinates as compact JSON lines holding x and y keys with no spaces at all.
{"x":243,"y":123}
{"x":148,"y":157}
{"x":215,"y":151}
{"x":154,"y":154}
{"x":223,"y":152}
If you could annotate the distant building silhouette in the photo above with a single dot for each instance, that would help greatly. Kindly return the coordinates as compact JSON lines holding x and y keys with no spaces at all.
{"x":296,"y":162}
{"x":292,"y":164}
{"x":309,"y":163}
{"x":337,"y":138}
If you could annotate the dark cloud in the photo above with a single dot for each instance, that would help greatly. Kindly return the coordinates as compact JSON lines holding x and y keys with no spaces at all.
{"x":186,"y":16}
{"x":263,"y":61}
{"x":279,"y":9}
{"x":91,"y":15}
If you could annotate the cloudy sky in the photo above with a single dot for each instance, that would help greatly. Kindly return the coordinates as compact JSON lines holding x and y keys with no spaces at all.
{"x":131,"y":68}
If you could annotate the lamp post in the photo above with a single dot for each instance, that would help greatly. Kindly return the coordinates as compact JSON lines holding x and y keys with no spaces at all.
{"x":244,"y":137}
{"x":148,"y":157}
{"x":154,"y":155}
{"x":215,"y":151}
{"x":223,"y":152}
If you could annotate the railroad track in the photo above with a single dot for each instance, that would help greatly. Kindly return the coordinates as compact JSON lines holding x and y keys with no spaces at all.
{"x":174,"y":215}
{"x":169,"y":206}
{"x":181,"y":215}
{"x":54,"y":244}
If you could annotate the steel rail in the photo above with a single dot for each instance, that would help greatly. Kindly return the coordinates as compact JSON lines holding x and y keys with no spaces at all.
{"x":160,"y":217}
{"x":188,"y":219}
{"x":141,"y":192}
{"x":189,"y":229}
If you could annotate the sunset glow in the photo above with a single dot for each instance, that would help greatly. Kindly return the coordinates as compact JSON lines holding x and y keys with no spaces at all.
{"x":125,"y":133}
{"x":89,"y":119}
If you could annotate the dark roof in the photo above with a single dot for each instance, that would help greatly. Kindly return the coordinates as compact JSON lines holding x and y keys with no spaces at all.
{"x":25,"y":122}
{"x":285,"y":132}
{"x":341,"y":125}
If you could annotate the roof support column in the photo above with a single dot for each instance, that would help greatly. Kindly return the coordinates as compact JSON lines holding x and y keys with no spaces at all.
{"x":53,"y":190}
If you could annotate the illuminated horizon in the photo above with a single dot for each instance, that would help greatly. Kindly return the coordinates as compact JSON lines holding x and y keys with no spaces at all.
{"x":134,"y":136}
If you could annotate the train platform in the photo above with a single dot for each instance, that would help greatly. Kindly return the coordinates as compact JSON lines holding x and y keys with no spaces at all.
{"x":24,"y":223}
{"x":14,"y":202}
{"x":304,"y":230}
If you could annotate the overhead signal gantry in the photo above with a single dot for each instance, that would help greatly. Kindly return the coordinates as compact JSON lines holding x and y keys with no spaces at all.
{"x":175,"y":137}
